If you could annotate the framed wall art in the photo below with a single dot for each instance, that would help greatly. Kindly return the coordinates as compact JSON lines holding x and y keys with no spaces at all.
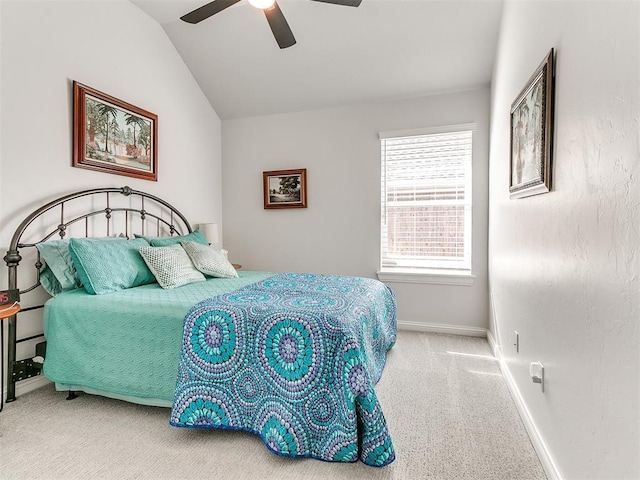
{"x":113,"y":136}
{"x":532,"y":133}
{"x":285,"y":188}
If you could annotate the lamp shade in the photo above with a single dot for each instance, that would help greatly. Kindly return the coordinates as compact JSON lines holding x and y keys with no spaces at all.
{"x":211,"y":232}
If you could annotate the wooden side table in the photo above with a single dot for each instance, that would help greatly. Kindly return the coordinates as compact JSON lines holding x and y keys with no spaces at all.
{"x":5,"y":312}
{"x":10,"y":311}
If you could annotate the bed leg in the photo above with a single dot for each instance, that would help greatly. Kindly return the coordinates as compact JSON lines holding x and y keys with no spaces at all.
{"x":72,"y":395}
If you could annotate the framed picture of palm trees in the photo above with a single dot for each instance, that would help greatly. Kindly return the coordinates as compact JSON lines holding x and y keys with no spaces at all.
{"x":532,"y":133}
{"x":113,"y":136}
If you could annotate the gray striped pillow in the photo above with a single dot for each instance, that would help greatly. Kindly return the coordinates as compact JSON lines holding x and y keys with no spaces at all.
{"x":209,"y":261}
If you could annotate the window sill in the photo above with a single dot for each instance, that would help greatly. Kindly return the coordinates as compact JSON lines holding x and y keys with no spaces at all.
{"x":436,"y":277}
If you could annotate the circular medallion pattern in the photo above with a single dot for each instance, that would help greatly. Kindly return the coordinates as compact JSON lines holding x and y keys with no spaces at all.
{"x":196,"y":406}
{"x":213,"y":337}
{"x":213,"y":342}
{"x":289,"y":351}
{"x":354,"y":375}
{"x":280,"y":429}
{"x":321,"y":409}
{"x":248,"y":388}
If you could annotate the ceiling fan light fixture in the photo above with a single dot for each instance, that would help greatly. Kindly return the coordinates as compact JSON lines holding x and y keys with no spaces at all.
{"x":278,"y":24}
{"x":262,"y":4}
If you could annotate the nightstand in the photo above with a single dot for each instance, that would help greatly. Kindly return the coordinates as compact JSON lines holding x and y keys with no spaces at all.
{"x":5,"y":312}
{"x":236,"y":266}
{"x":9,"y":311}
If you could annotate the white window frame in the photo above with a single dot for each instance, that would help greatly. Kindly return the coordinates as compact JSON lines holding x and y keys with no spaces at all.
{"x":457,"y":272}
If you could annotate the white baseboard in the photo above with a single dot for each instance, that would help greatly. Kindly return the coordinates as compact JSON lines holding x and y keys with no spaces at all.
{"x":437,"y":328}
{"x":539,"y":446}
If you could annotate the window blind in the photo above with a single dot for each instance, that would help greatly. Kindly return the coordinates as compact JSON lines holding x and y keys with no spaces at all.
{"x":426,"y":200}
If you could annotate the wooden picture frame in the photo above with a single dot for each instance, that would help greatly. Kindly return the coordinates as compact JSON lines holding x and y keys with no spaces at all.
{"x":113,"y":136}
{"x":531,"y":139}
{"x":285,"y":188}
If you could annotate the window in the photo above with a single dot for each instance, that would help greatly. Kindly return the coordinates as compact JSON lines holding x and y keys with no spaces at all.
{"x":426,"y":201}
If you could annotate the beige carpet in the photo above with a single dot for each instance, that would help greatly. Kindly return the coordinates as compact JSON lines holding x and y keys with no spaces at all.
{"x":447,"y":406}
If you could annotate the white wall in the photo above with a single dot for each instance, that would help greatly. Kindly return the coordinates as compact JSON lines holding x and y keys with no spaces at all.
{"x":339,"y":232}
{"x":112,"y":46}
{"x":1,"y":108}
{"x":564,"y":265}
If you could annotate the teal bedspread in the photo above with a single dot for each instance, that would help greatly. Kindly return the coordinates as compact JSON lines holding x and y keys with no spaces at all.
{"x":125,"y":344}
{"x":294,"y":359}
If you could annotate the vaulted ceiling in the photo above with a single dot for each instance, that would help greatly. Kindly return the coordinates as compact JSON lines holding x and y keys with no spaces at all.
{"x":381,"y":50}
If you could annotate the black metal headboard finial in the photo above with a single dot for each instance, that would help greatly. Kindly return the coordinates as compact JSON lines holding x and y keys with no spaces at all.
{"x":157,"y":212}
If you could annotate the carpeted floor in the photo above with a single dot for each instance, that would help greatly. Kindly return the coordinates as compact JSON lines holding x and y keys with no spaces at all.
{"x":447,"y":406}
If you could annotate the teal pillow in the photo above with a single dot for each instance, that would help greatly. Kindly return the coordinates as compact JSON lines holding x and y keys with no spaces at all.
{"x":106,"y":266}
{"x":58,"y":273}
{"x":196,"y":236}
{"x":49,"y":281}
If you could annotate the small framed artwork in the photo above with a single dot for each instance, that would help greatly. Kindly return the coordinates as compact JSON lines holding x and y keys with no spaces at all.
{"x":532,"y":134}
{"x":285,"y":188}
{"x":113,"y":136}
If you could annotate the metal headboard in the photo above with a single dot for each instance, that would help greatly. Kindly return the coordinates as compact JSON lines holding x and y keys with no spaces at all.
{"x":157,"y":213}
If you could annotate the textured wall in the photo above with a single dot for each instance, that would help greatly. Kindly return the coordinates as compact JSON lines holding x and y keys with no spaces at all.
{"x":339,"y":232}
{"x":112,"y":46}
{"x":563,"y":266}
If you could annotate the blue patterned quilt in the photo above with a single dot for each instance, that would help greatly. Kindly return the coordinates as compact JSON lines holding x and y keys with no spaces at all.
{"x":294,"y":359}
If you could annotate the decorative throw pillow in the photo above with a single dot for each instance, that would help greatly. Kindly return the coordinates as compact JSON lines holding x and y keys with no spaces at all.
{"x":209,"y":261}
{"x":171,"y":266}
{"x":109,"y":265}
{"x":196,"y":236}
{"x":58,"y":273}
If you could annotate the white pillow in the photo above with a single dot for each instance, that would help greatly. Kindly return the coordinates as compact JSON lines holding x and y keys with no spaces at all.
{"x":171,"y":266}
{"x":210,"y":261}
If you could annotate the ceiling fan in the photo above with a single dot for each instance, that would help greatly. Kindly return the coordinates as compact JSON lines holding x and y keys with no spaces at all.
{"x":279,"y":26}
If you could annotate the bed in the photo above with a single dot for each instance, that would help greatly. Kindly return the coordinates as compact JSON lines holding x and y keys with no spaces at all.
{"x":137,"y":331}
{"x":290,"y":357}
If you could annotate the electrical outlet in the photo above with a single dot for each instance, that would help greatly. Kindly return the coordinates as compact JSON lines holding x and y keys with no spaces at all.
{"x":516,"y":341}
{"x":536,"y":370}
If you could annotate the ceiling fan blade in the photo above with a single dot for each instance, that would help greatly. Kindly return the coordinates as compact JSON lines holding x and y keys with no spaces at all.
{"x":346,"y":3}
{"x":204,"y":12}
{"x":279,"y":26}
